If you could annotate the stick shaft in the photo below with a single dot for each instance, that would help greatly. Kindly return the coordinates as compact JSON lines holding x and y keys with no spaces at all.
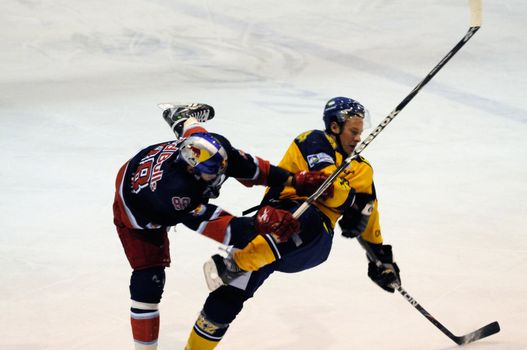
{"x":475,"y":22}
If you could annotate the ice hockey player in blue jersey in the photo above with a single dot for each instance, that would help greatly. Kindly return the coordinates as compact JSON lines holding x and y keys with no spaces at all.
{"x":351,"y":198}
{"x":170,"y":183}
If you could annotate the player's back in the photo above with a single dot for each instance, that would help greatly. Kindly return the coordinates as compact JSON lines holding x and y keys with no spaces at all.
{"x":158,"y":189}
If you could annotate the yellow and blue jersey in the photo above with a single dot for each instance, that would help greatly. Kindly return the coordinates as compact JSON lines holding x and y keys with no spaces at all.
{"x":316,"y":150}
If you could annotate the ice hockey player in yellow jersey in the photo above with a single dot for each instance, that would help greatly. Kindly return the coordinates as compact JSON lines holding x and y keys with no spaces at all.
{"x":351,"y":198}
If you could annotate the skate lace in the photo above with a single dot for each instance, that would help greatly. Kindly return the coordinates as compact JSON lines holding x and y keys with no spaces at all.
{"x":201,"y":116}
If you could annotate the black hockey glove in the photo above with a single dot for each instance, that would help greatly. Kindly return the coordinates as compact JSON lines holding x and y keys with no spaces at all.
{"x":354,"y":220}
{"x":387,"y":275}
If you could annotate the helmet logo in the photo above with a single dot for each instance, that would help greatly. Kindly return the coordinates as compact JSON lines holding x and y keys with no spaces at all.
{"x":195,"y":150}
{"x":204,"y":153}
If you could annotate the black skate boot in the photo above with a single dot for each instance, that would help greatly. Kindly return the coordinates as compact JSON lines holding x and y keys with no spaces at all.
{"x":177,"y":115}
{"x":221,"y":271}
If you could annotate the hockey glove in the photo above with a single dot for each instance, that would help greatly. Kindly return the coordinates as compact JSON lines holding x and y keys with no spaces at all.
{"x":387,"y":275}
{"x":279,"y":222}
{"x":355,"y":220}
{"x":307,"y":182}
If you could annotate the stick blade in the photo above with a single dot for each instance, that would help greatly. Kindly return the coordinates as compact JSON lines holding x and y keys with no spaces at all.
{"x":483,"y":332}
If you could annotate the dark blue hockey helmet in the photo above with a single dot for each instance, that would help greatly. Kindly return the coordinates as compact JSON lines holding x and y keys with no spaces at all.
{"x":338,"y":109}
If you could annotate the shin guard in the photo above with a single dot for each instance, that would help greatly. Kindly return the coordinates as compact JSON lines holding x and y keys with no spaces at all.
{"x":144,"y":318}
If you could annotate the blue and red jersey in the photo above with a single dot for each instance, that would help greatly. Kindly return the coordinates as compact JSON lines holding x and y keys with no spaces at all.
{"x":155,"y":189}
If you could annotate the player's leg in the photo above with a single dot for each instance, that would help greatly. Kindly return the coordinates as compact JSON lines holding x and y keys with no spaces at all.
{"x":148,"y":254}
{"x":263,"y":249}
{"x":225,"y":303}
{"x":220,"y":309}
{"x":185,"y":120}
{"x":215,"y":223}
{"x":146,"y":289}
{"x":317,"y":238}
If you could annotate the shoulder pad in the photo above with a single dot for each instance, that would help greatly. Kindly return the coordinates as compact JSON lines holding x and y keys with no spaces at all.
{"x":316,"y":149}
{"x":310,"y":135}
{"x":303,"y":136}
{"x":361,"y":159}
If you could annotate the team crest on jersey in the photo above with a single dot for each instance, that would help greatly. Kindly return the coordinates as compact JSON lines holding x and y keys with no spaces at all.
{"x":314,"y":159}
{"x":344,"y":183}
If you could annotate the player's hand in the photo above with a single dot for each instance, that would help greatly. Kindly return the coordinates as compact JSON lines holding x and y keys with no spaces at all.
{"x":355,"y":219}
{"x":279,"y":222}
{"x":307,"y":182}
{"x":387,"y":275}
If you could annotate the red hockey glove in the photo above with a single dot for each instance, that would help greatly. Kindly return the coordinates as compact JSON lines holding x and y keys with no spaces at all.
{"x":307,"y":182}
{"x":279,"y":222}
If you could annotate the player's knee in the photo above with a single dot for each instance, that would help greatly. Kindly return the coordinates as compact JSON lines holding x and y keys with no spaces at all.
{"x":242,"y":231}
{"x":147,"y":285}
{"x":224,"y":304}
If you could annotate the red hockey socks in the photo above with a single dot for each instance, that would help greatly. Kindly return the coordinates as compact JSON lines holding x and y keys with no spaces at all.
{"x":144,"y":318}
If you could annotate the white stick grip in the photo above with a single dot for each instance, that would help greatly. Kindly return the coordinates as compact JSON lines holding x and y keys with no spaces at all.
{"x":475,"y":13}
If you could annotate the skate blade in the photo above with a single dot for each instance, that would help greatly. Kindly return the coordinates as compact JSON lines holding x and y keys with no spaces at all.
{"x":212,"y":278}
{"x":165,"y":106}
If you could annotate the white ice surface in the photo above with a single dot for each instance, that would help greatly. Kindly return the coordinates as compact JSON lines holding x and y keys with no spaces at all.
{"x":79,"y":84}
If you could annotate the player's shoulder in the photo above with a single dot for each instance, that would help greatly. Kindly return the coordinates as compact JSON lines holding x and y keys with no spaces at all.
{"x":316,"y":148}
{"x":361,"y":161}
{"x":312,"y":136}
{"x":315,"y":141}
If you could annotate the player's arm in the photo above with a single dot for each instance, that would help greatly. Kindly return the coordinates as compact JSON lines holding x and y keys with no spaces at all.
{"x":210,"y":221}
{"x":362,"y":218}
{"x":252,"y":170}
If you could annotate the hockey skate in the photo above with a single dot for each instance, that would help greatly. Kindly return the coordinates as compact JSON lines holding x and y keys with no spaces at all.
{"x":177,"y":115}
{"x":220,"y":271}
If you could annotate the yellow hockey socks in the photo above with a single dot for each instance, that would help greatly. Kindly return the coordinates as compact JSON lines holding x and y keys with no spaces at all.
{"x":206,"y":334}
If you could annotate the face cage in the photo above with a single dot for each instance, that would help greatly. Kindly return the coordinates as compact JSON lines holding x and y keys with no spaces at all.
{"x":349,"y":113}
{"x":344,"y":114}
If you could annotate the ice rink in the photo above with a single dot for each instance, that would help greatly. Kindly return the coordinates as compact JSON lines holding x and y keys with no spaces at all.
{"x":79,"y":85}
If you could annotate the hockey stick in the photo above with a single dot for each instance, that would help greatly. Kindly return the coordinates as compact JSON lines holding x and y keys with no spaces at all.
{"x":483,"y":332}
{"x":475,"y":24}
{"x":491,"y":328}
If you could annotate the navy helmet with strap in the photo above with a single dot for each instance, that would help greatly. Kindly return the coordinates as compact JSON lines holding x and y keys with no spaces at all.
{"x":338,"y":109}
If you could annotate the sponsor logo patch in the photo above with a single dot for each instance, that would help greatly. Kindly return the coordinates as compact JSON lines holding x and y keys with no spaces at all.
{"x":314,"y":159}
